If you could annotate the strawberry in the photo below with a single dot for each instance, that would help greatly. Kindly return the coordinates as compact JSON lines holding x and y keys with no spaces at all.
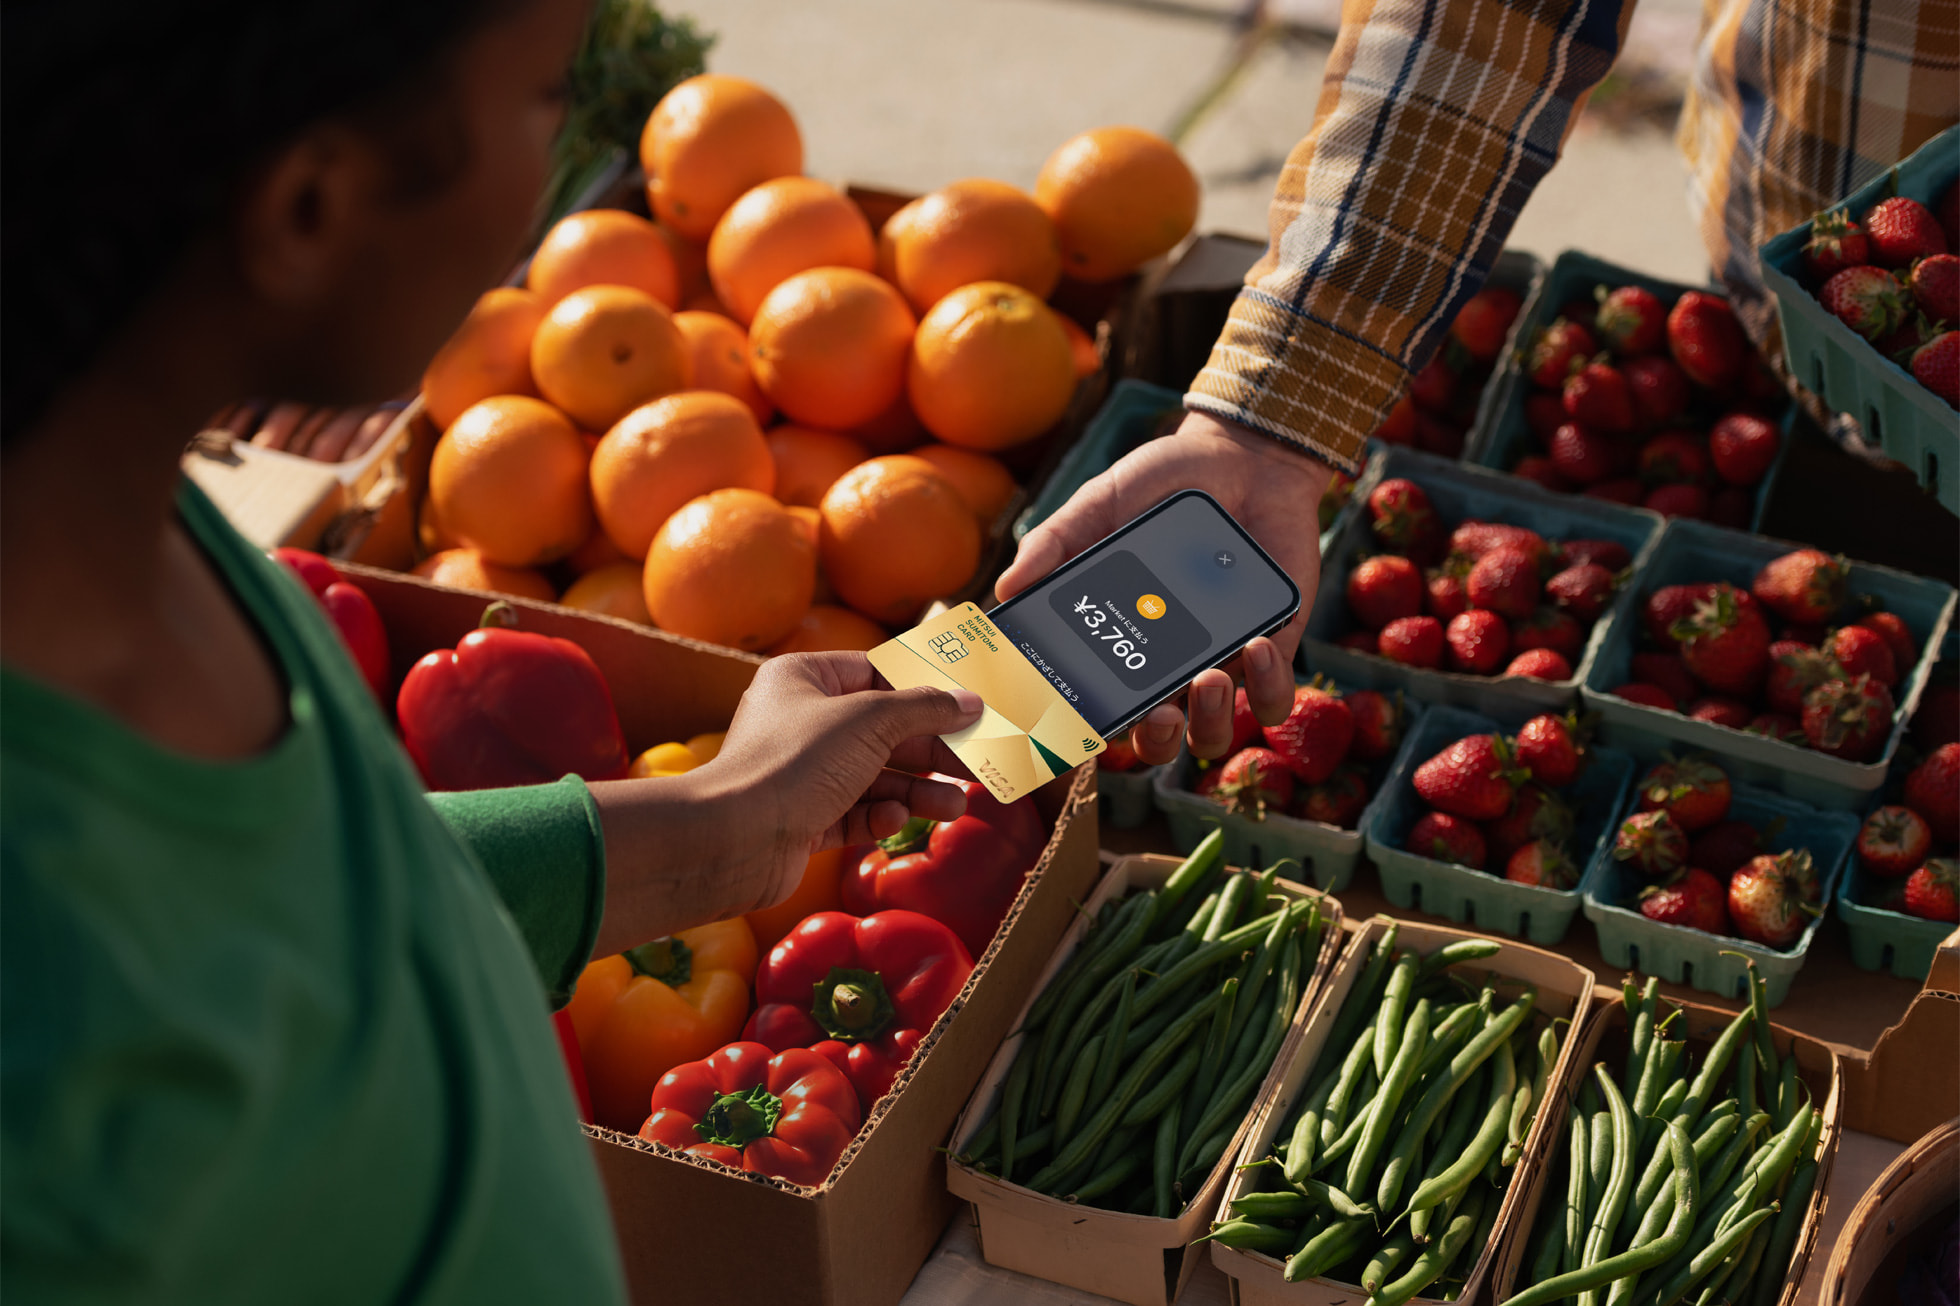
{"x":1794,"y":670}
{"x":1725,"y":642}
{"x":1937,"y":721}
{"x":1667,"y":671}
{"x":1705,"y":340}
{"x":1448,"y":839}
{"x":1398,"y":512}
{"x":1538,"y":468}
{"x":1483,"y":321}
{"x":1252,"y":782}
{"x":1677,"y":501}
{"x":1726,"y":846}
{"x":1742,"y":446}
{"x":1383,"y":588}
{"x":1581,"y":455}
{"x":1671,"y":604}
{"x":1378,"y":721}
{"x":1806,"y":585}
{"x":1930,"y":891}
{"x":1620,"y":489}
{"x":1556,"y":352}
{"x":1475,"y":778}
{"x":1337,"y":800}
{"x":1836,"y":243}
{"x":1933,"y":790}
{"x":1478,"y":641}
{"x":1652,"y":843}
{"x":1543,"y":414}
{"x":1659,"y":389}
{"x":1773,"y":897}
{"x":1538,"y":813}
{"x":1121,"y":755}
{"x":1673,"y":456}
{"x":1936,"y":365}
{"x":1473,"y":539}
{"x":1433,"y":386}
{"x":1542,"y":864}
{"x":1245,"y":726}
{"x":1314,"y":738}
{"x":1897,"y":635}
{"x":1866,"y":299}
{"x":1717,"y":710}
{"x":1903,"y":341}
{"x":1550,"y":749}
{"x":1862,"y":651}
{"x":1693,"y":790}
{"x":1645,"y":695}
{"x":1935,"y":283}
{"x":1540,"y":664}
{"x":1902,"y":229}
{"x":1596,"y":396}
{"x":1893,"y":841}
{"x":1630,"y":320}
{"x":1610,"y":554}
{"x":1777,"y":725}
{"x":1696,"y":900}
{"x":1443,"y":588}
{"x":1731,"y":506}
{"x":1848,"y":718}
{"x":1412,"y":641}
{"x":1399,"y":427}
{"x":1505,"y":581}
{"x":1550,"y":628}
{"x":1583,"y":590}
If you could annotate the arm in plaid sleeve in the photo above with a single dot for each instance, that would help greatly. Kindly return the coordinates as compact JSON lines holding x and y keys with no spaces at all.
{"x":1435,"y":122}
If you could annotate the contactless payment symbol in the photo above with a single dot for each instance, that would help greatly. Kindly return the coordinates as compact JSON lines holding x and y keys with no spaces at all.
{"x":949,"y":646}
{"x":1152,"y":607}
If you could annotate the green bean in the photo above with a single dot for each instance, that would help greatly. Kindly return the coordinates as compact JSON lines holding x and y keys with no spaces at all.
{"x":1210,"y":1152}
{"x":1619,"y":1182}
{"x":1452,"y":1028}
{"x":1599,"y":1166}
{"x":1112,"y":1047}
{"x":1075,"y":1089}
{"x":1215,"y":1045}
{"x":1719,"y":1171}
{"x":1229,"y":944}
{"x":1196,"y":868}
{"x":1231,"y":899}
{"x":1551,"y":1251}
{"x":1062,"y":1034}
{"x":1783,"y":1239}
{"x":1351,"y":1132}
{"x":1201,"y":919}
{"x":1662,"y":1057}
{"x":1381,"y":1112}
{"x":1787,"y":1089}
{"x":1360,"y":1057}
{"x":1364,"y":998}
{"x":1399,"y":1248}
{"x":1108,"y":1178}
{"x":1163,"y":1157}
{"x":1650,"y":1225}
{"x":1306,"y":1133}
{"x":1745,"y":1085}
{"x":1288,"y":1205}
{"x":1717,"y":1129}
{"x":1463,"y":1116}
{"x":1483,"y":1238}
{"x":1395,"y":1004}
{"x":1525,"y":1106}
{"x":1484,"y":1143}
{"x":1642,"y":1037}
{"x":1123,"y":1140}
{"x":1327,"y":1249}
{"x":1231,"y":1097}
{"x":1325,"y":1194}
{"x":1712,"y":1067}
{"x":1759,"y":1006}
{"x":1272,"y":950}
{"x":1742,"y":1270}
{"x":1010,"y":1110}
{"x":1249,"y":1235}
{"x":1710,"y":1256}
{"x":1456,"y":954}
{"x":1444,"y":1085}
{"x":1086,"y":948}
{"x":1164,"y":1093}
{"x":1429,"y":1265}
{"x":1578,"y":1174}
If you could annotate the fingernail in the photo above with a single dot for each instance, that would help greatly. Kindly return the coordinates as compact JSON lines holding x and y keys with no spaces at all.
{"x":969,"y":702}
{"x":1211,"y":698}
{"x":1160,"y":732}
{"x":1259,"y":656}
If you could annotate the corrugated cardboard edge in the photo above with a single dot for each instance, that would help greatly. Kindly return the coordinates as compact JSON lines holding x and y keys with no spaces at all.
{"x":1136,"y":1250}
{"x":1919,"y":1182}
{"x":1259,"y":1278}
{"x":1889,"y":1093}
{"x":1817,"y":1063}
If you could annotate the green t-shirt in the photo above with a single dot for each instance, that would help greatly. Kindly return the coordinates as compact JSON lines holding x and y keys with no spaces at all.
{"x":267,"y":1030}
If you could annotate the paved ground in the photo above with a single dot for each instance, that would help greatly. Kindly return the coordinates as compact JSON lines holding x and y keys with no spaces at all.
{"x":911,"y":94}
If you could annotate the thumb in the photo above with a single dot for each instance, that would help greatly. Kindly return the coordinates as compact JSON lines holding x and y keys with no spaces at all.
{"x":901,"y":714}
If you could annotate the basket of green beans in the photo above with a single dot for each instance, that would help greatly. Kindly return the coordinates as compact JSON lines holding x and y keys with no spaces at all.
{"x":1687,"y":1165}
{"x":1390,"y":1161}
{"x":1096,"y":1145}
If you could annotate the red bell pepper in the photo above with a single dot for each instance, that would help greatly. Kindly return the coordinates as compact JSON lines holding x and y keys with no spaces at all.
{"x":561,"y":1025}
{"x":787,"y":1114}
{"x":349,"y":608}
{"x":963,"y":874}
{"x":509,"y":707}
{"x":861,"y":991}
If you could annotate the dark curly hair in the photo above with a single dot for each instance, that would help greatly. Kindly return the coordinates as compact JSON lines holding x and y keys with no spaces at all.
{"x":129,"y":125}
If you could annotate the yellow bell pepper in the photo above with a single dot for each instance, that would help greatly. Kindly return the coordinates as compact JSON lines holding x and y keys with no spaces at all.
{"x":640,"y":1014}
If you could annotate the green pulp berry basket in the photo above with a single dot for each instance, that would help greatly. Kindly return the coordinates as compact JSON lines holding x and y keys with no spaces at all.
{"x":1485,"y":900}
{"x":1326,"y":853}
{"x":1715,"y":963}
{"x":1504,"y":436}
{"x":1883,"y":939}
{"x":1459,"y":492}
{"x":1692,"y":551}
{"x":1902,"y":417}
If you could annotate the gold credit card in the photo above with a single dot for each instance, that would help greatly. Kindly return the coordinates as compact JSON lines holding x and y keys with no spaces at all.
{"x":1027,"y":734}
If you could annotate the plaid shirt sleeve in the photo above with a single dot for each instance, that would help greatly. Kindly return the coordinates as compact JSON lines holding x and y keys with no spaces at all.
{"x":1435,"y":122}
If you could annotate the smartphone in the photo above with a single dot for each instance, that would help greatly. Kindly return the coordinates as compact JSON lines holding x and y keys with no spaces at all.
{"x":1125,"y":625}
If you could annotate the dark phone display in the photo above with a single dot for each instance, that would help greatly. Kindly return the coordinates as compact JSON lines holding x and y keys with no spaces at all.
{"x":1129,"y":623}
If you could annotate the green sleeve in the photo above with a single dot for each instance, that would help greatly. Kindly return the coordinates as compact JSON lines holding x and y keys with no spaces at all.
{"x":546,"y":855}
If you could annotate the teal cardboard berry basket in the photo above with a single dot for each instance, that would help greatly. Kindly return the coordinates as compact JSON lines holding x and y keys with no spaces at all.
{"x":1692,"y":551}
{"x":1881,"y":938}
{"x":1484,"y":899}
{"x":1902,"y":417}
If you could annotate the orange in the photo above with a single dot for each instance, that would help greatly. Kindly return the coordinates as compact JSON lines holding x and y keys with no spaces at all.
{"x":508,"y":479}
{"x":991,"y":367}
{"x":430,"y":537}
{"x":829,"y":346}
{"x":710,"y":139}
{"x":603,"y":351}
{"x":974,"y":230}
{"x":982,"y":481}
{"x":820,"y":889}
{"x":731,"y":567}
{"x":780,"y":228}
{"x":826,"y":627}
{"x":1082,"y":347}
{"x":466,"y":569}
{"x":663,"y":759}
{"x":897,"y":535}
{"x":718,"y":359}
{"x":704,"y":301}
{"x":664,"y":453}
{"x":612,"y":590}
{"x":690,"y":262}
{"x":597,"y":551}
{"x":489,"y":355}
{"x":1119,"y":196}
{"x":812,"y":523}
{"x":604,"y":247}
{"x":893,"y":431}
{"x":808,"y":462}
{"x":707,"y":744}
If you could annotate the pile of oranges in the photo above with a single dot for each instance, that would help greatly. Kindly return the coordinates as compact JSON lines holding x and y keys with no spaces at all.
{"x":754,"y":420}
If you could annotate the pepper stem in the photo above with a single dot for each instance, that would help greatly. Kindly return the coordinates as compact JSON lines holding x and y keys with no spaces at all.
{"x":852,"y":1005}
{"x":738,"y":1119}
{"x":498,"y":616}
{"x":911,"y":837}
{"x":666,"y":959}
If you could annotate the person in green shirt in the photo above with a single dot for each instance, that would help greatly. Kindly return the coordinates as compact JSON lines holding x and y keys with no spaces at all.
{"x":273,"y":1021}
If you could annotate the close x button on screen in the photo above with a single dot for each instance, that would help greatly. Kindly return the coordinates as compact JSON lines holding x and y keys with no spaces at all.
{"x":1130,"y":619}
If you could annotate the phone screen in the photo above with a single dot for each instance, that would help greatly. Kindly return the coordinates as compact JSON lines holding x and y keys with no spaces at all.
{"x":1127,"y":623}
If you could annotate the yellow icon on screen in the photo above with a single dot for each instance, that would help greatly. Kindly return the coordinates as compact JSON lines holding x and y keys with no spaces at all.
{"x":1152,"y":607}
